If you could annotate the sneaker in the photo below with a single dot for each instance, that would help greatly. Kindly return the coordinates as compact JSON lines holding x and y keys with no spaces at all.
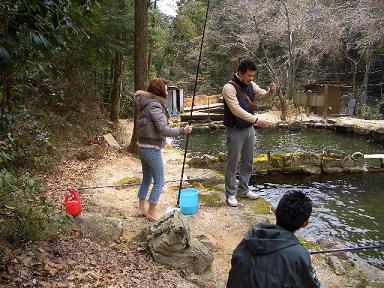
{"x":250,"y":195}
{"x":231,"y":200}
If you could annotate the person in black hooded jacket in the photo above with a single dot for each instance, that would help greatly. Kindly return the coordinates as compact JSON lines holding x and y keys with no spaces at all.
{"x":270,"y":255}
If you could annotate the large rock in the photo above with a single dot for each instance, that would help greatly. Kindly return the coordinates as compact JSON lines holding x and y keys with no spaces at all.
{"x":378,"y":134}
{"x":171,"y":244}
{"x":204,"y":161}
{"x":302,"y":162}
{"x":99,"y":228}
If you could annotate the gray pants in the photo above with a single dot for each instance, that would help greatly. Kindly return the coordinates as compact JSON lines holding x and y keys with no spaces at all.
{"x":240,"y":145}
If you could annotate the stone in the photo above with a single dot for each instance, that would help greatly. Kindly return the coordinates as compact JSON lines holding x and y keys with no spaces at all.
{"x":276,"y":162}
{"x":336,"y":264}
{"x":208,"y":241}
{"x":361,"y":130}
{"x":261,"y":164}
{"x":358,"y":157}
{"x":332,"y":170}
{"x":111,"y":141}
{"x":344,"y":127}
{"x":99,"y":228}
{"x":378,"y":134}
{"x":204,"y":161}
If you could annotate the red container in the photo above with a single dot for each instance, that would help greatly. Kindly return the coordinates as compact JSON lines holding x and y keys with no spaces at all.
{"x":72,"y":203}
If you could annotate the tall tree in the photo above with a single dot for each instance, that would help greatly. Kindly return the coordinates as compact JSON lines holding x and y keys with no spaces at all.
{"x":141,"y":57}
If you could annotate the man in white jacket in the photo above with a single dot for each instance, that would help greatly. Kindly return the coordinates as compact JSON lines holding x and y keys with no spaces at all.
{"x":240,"y":96}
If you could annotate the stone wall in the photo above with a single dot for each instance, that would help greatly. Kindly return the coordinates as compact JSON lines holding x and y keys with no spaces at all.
{"x":296,"y":163}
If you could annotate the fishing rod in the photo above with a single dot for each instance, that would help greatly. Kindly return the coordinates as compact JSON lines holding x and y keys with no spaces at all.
{"x":136,"y":184}
{"x":347,"y":249}
{"x":193,"y":102}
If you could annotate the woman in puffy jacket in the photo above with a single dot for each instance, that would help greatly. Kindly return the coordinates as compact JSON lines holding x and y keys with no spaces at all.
{"x":152,"y":129}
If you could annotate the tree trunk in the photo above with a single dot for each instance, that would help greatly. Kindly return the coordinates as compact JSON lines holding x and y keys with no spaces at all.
{"x":366,"y":75}
{"x":141,"y":58}
{"x":354,"y":89}
{"x":290,"y":55}
{"x":5,"y":101}
{"x":116,"y":88}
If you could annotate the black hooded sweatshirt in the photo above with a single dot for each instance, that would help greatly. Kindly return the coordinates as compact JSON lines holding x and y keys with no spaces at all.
{"x":270,"y":256}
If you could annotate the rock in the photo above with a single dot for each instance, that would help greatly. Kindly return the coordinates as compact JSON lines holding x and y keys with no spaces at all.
{"x":170,"y":243}
{"x":208,"y":241}
{"x":336,"y":264}
{"x":331,"y":163}
{"x":361,"y":130}
{"x":99,"y":228}
{"x":111,"y":141}
{"x":301,"y":159}
{"x":358,"y":157}
{"x":261,"y":163}
{"x":276,"y":162}
{"x":378,"y":134}
{"x":295,"y":126}
{"x":344,"y":127}
{"x":347,"y":162}
{"x":332,"y":170}
{"x":320,"y":125}
{"x":204,"y":161}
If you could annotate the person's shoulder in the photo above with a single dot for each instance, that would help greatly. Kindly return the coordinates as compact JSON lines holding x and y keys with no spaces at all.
{"x":298,"y":252}
{"x":229,"y":87}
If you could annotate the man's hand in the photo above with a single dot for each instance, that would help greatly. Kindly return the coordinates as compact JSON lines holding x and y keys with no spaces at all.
{"x":263,"y":124}
{"x":272,"y":87}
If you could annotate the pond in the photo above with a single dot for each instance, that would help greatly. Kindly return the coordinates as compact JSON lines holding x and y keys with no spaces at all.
{"x":349,"y":207}
{"x":282,"y":140}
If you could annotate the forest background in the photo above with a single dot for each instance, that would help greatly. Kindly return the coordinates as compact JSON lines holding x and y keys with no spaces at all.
{"x":69,"y":69}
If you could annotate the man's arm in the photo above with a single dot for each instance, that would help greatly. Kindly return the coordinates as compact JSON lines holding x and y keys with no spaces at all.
{"x":261,"y":94}
{"x":229,"y":95}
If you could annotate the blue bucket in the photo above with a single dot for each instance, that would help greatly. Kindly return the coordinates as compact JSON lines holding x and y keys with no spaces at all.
{"x":189,"y":201}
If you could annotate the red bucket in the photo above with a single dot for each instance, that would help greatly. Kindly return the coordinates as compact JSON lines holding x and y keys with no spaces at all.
{"x":72,"y":203}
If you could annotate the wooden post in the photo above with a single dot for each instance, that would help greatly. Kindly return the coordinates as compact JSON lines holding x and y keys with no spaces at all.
{"x":325,"y":111}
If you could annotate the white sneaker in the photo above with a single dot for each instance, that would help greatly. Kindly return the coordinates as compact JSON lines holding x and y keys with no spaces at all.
{"x":250,"y":195}
{"x":231,"y":200}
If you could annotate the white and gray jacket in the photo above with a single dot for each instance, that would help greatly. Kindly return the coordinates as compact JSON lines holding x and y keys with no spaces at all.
{"x":152,"y":120}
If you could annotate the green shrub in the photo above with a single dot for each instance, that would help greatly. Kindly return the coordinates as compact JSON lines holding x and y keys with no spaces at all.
{"x":25,"y":213}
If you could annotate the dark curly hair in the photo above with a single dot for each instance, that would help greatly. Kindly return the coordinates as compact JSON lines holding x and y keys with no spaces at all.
{"x":293,"y":210}
{"x":157,"y":86}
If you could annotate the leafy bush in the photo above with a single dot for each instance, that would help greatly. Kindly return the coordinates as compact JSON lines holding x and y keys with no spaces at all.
{"x":25,"y":213}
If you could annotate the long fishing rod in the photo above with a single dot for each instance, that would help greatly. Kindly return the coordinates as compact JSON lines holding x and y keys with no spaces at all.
{"x":347,"y":249}
{"x":193,"y":102}
{"x":134,"y":184}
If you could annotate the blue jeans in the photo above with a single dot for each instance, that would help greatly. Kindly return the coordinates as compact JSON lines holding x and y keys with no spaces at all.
{"x":153,"y":168}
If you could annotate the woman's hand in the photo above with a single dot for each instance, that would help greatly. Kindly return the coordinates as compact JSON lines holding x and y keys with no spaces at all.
{"x":187,"y":129}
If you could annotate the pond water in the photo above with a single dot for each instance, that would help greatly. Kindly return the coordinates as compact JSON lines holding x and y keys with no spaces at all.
{"x":349,"y":207}
{"x":282,"y":140}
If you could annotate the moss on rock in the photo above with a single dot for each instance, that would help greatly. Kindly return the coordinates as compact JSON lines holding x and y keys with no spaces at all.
{"x":210,"y":200}
{"x":258,"y":206}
